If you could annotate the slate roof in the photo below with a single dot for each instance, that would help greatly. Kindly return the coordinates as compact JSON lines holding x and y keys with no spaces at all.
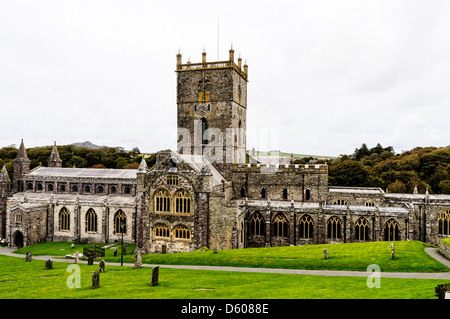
{"x":84,"y":172}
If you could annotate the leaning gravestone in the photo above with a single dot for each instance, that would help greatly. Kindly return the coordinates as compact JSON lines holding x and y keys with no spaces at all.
{"x":95,"y":280}
{"x":155,"y":275}
{"x":325,"y":252}
{"x":90,"y":260}
{"x":137,"y":259}
{"x":28,"y":256}
{"x":48,"y":264}
{"x":101,"y":266}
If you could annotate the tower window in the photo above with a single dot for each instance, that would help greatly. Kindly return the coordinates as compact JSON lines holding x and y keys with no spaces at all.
{"x":285,"y":193}
{"x":263,"y":193}
{"x":204,"y":133}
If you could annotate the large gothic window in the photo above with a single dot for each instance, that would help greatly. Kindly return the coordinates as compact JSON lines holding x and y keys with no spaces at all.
{"x":119,"y":218}
{"x":257,"y":224}
{"x":161,"y":230}
{"x":91,"y":221}
{"x":306,"y":227}
{"x":391,"y":230}
{"x":64,"y":219}
{"x":182,"y":232}
{"x":334,"y":225}
{"x":280,"y":226}
{"x":444,"y":222}
{"x":182,"y":202}
{"x":162,"y":201}
{"x":362,"y":229}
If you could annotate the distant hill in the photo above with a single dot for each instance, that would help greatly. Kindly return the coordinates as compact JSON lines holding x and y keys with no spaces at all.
{"x":88,"y":145}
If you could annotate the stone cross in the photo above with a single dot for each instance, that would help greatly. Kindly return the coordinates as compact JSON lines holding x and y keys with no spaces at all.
{"x":101,"y":266}
{"x":325,"y":252}
{"x":77,"y":261}
{"x":393,"y":250}
{"x":137,"y":259}
{"x":48,"y":264}
{"x":155,"y":275}
{"x":28,"y":256}
{"x":95,"y":280}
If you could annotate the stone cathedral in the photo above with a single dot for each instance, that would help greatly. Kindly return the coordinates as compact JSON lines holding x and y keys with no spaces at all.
{"x":206,"y":193}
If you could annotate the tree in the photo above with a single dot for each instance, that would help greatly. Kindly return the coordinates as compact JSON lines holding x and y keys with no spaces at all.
{"x":349,"y":173}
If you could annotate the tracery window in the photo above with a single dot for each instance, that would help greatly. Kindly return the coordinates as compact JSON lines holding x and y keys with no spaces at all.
{"x":334,"y":225}
{"x":162,"y":201}
{"x":362,"y":229}
{"x":64,"y":219}
{"x":444,"y":222}
{"x":182,"y":232}
{"x":306,"y":227}
{"x":257,"y":224}
{"x":369,"y":203}
{"x":340,"y":202}
{"x":120,"y":217}
{"x":161,"y":230}
{"x":172,"y":179}
{"x":280,"y":226}
{"x":391,"y":230}
{"x":182,"y":202}
{"x":91,"y":221}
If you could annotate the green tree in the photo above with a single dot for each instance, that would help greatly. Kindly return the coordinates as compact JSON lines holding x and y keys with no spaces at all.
{"x":349,"y":173}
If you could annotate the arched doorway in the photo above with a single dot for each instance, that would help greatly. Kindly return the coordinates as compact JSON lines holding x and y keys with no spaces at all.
{"x":18,"y":239}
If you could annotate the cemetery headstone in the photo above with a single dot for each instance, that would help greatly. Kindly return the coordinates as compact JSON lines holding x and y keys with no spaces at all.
{"x":72,"y":246}
{"x":90,"y":260}
{"x":155,"y":275}
{"x":125,"y":249}
{"x":115,"y":252}
{"x":325,"y":252}
{"x":393,"y":250}
{"x":77,"y":261}
{"x":28,"y":256}
{"x":137,"y":259}
{"x":95,"y":280}
{"x":101,"y":266}
{"x":48,"y":264}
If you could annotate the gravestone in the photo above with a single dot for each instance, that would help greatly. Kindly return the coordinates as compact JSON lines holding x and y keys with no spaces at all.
{"x":28,"y":256}
{"x":125,"y":249}
{"x":90,"y":260}
{"x":48,"y":264}
{"x":77,"y":261}
{"x":95,"y":280}
{"x":447,"y":295}
{"x":137,"y":259}
{"x":393,"y":250}
{"x":115,"y":252}
{"x":155,"y":275}
{"x":215,"y":250}
{"x":72,"y":246}
{"x":101,"y":266}
{"x":325,"y":252}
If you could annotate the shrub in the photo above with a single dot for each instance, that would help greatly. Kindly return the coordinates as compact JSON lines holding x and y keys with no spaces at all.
{"x":441,"y":290}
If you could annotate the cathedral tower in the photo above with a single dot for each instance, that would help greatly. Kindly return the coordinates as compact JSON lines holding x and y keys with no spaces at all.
{"x":212,"y":109}
{"x":21,"y":166}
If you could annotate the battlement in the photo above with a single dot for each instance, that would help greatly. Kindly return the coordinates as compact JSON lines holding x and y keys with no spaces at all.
{"x":243,"y":71}
{"x":316,"y":168}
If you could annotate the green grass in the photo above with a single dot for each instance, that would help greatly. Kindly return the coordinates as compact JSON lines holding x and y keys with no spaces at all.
{"x":410,"y":257}
{"x":29,"y":280}
{"x":446,"y":241}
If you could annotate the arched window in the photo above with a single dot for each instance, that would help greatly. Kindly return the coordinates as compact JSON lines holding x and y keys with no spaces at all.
{"x":369,"y":203}
{"x":64,"y":219}
{"x":305,"y":227}
{"x":285,"y":193}
{"x":62,"y":188}
{"x":74,"y":188}
{"x":307,"y":194}
{"x":263,"y":192}
{"x":127,"y":190}
{"x":280,"y":225}
{"x":161,"y":230}
{"x":50,"y":187}
{"x":334,"y":225}
{"x":87,"y":189}
{"x":162,"y":201}
{"x":242,"y":192}
{"x":182,"y":232}
{"x":100,"y":189}
{"x":204,"y":123}
{"x":182,"y":202}
{"x":444,"y":222}
{"x":257,"y":224}
{"x":391,"y":230}
{"x":29,"y":186}
{"x":362,"y":229}
{"x":91,"y":221}
{"x":39,"y":186}
{"x":113,"y":189}
{"x":340,"y":202}
{"x":119,"y":218}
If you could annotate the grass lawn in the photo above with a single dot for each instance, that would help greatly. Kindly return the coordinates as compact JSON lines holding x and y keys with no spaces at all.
{"x":29,"y":280}
{"x":410,"y":256}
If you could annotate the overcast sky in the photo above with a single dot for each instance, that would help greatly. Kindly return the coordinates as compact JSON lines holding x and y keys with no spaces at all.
{"x":325,"y":76}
